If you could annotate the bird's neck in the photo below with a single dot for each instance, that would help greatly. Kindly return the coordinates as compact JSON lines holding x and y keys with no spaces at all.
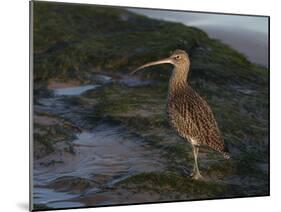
{"x":178,"y":80}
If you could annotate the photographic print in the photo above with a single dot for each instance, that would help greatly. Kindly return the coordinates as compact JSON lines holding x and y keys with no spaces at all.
{"x":135,"y":105}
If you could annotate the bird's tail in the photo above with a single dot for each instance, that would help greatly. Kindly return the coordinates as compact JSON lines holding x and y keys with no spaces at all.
{"x":226,"y":155}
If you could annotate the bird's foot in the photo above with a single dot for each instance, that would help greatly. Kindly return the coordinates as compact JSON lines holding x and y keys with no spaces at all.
{"x":196,"y":176}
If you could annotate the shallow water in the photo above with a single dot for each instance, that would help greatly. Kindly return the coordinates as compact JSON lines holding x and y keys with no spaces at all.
{"x":128,"y":80}
{"x":73,"y":91}
{"x":103,"y":157}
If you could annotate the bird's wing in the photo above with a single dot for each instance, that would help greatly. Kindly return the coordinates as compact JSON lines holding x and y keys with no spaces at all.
{"x":185,"y":126}
{"x":199,"y":121}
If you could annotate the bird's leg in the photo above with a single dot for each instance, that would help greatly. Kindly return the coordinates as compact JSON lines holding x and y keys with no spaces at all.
{"x":196,"y":173}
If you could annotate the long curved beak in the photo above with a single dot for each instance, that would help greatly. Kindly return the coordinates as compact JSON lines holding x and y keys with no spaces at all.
{"x":166,"y":60}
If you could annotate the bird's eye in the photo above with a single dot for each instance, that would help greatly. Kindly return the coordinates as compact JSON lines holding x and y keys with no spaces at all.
{"x":178,"y":57}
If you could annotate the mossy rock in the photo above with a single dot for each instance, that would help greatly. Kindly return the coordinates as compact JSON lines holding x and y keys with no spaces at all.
{"x":169,"y":182}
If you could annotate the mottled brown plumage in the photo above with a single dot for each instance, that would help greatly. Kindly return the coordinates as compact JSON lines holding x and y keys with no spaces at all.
{"x":189,"y":114}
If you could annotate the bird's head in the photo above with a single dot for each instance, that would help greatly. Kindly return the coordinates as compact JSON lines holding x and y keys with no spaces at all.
{"x":179,"y":58}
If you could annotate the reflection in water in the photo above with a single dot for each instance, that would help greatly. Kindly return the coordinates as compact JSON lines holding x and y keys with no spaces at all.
{"x":49,"y":196}
{"x":103,"y":157}
{"x":69,"y":91}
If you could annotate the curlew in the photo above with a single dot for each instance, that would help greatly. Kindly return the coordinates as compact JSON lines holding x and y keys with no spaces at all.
{"x":189,"y":114}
